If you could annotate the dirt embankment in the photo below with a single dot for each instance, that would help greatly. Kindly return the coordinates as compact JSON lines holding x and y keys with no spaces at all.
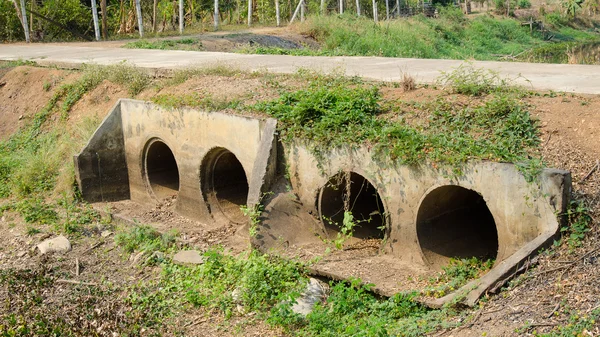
{"x":563,"y":282}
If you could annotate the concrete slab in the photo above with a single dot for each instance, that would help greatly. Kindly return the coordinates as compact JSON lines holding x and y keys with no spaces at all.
{"x":557,"y":77}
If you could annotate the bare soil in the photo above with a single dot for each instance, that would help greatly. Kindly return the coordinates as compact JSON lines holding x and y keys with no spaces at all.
{"x":542,"y":298}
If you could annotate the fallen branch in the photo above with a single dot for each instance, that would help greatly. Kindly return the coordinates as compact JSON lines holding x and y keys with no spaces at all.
{"x":76,"y":266}
{"x":567,"y":265}
{"x":592,"y":170}
{"x":96,"y":245}
{"x":77,"y":282}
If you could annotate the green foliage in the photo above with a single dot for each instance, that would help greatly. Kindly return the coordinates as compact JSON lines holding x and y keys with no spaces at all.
{"x":579,"y":221}
{"x":468,"y":80}
{"x":260,"y":282}
{"x":449,"y":37}
{"x":35,"y":211}
{"x":70,"y":13}
{"x":524,"y":4}
{"x":253,"y":213}
{"x":351,"y":310}
{"x":178,"y":44}
{"x":578,"y":325}
{"x":571,"y":6}
{"x":31,"y":160}
{"x":146,"y":239}
{"x":195,"y":100}
{"x":456,"y":274}
{"x":10,"y":25}
{"x":332,"y":112}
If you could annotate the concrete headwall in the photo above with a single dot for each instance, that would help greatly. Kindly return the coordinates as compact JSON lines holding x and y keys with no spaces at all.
{"x":418,"y":217}
{"x":101,"y":167}
{"x":521,"y":211}
{"x":194,"y":138}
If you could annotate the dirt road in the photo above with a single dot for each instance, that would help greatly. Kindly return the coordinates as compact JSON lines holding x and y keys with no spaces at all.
{"x":558,"y":77}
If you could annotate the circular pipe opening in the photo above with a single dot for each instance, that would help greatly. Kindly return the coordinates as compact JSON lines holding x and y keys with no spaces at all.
{"x":455,"y":222}
{"x":161,"y":170}
{"x":225,"y":185}
{"x":351,"y":192}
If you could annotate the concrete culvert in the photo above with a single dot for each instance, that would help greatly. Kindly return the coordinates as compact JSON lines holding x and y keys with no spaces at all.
{"x":349,"y":191}
{"x":224,"y":184}
{"x":455,"y":222}
{"x":161,"y":169}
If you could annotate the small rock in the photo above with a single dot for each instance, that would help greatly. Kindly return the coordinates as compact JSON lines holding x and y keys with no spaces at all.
{"x":188,"y":257}
{"x":106,"y":234}
{"x":20,"y":117}
{"x":21,"y":253}
{"x":59,"y":244}
{"x":137,"y":257}
{"x":155,"y":257}
{"x":236,"y":295}
{"x":314,"y":293}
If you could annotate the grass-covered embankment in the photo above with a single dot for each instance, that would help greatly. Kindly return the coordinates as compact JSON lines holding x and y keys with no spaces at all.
{"x":451,"y":36}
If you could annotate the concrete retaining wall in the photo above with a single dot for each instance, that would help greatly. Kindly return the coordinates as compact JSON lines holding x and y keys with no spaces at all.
{"x":418,"y":217}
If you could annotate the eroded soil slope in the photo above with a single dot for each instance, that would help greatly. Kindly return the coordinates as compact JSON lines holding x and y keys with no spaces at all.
{"x":561,"y":284}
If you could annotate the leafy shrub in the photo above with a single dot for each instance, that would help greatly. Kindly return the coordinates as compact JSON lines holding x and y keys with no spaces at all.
{"x":578,"y":223}
{"x":145,"y":238}
{"x":524,"y":4}
{"x":35,"y":211}
{"x":467,"y":80}
{"x":10,"y":25}
{"x":69,"y":13}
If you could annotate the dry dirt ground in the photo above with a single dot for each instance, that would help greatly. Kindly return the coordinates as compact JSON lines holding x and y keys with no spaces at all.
{"x":228,"y":41}
{"x":545,"y":296}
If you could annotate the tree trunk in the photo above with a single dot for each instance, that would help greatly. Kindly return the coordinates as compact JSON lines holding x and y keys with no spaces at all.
{"x":323,"y":7}
{"x":216,"y":14}
{"x":154,"y":10}
{"x":180,"y":16}
{"x":375,"y":16}
{"x":397,"y":8}
{"x":358,"y":8}
{"x":95,"y":18}
{"x":341,"y":6}
{"x":24,"y":21}
{"x":104,"y":19}
{"x":387,"y":9}
{"x":302,"y":9}
{"x":138,"y":10}
{"x":277,"y":16}
{"x":18,"y":10}
{"x":249,"y":12}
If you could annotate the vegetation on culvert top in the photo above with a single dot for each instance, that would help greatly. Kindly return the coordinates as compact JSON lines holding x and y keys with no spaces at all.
{"x":486,"y":116}
{"x":334,"y":111}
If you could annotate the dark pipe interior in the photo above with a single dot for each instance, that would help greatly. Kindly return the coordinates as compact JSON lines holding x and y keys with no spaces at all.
{"x":364,"y":203}
{"x":227,"y":185}
{"x":162,"y":171}
{"x":455,"y":222}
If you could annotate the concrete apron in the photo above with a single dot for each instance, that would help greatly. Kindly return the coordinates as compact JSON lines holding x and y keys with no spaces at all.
{"x":407,"y":221}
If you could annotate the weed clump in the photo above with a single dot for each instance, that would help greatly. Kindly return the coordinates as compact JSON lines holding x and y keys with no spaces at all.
{"x":334,"y":112}
{"x":468,"y":80}
{"x":146,"y":239}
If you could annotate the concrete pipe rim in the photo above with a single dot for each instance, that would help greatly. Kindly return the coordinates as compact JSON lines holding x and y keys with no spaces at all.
{"x":209,"y":187}
{"x":418,"y":220}
{"x":148,"y":180}
{"x":356,"y":172}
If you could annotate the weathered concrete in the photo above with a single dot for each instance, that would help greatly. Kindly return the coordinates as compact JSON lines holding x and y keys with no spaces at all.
{"x":558,"y":77}
{"x":521,"y":211}
{"x":102,"y":168}
{"x":410,"y":220}
{"x":176,"y":153}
